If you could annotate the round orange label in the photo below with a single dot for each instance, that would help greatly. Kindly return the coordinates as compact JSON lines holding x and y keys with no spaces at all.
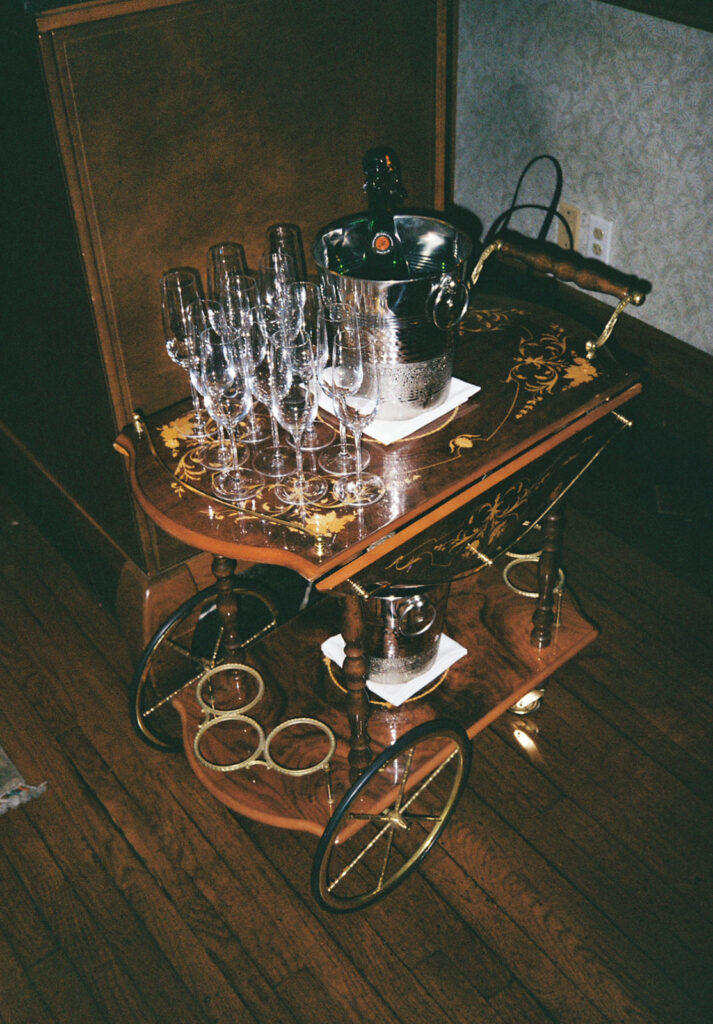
{"x":382,"y":243}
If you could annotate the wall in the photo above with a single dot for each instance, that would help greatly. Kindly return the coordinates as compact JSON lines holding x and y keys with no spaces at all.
{"x":624,"y":101}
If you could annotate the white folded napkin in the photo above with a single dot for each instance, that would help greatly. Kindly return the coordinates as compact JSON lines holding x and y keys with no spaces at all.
{"x":388,"y":431}
{"x":449,"y":651}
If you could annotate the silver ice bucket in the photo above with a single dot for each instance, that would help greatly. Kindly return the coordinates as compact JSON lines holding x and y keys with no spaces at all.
{"x":414,"y":319}
{"x":402,"y":632}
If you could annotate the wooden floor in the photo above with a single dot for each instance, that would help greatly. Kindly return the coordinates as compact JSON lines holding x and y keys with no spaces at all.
{"x":573,"y":884}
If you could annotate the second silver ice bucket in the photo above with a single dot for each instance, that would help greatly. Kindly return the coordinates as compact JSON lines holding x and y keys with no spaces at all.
{"x":414,"y":318}
{"x":402,"y":632}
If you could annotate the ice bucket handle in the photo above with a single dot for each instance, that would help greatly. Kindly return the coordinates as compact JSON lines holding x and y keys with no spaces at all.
{"x":417,"y":603}
{"x":448,"y":302}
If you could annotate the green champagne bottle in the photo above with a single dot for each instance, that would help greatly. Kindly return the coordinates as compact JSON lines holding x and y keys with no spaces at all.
{"x":383,"y":258}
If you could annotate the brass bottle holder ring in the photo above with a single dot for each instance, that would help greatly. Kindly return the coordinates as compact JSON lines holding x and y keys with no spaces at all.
{"x":519,"y":560}
{"x":261,"y":754}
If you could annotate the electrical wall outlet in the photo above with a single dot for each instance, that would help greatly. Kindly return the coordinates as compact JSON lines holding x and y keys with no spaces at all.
{"x":573,"y":215}
{"x":597,"y":238}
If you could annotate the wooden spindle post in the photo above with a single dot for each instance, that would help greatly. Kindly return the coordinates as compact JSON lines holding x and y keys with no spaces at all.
{"x":227,"y":603}
{"x":354,"y":670}
{"x":547,"y":574}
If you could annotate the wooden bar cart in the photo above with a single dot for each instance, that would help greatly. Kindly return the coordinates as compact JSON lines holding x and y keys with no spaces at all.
{"x":287,"y":736}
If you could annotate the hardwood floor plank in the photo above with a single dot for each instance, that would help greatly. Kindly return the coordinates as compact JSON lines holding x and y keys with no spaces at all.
{"x":19,"y":1002}
{"x":648,"y":810}
{"x":447,"y":978}
{"x":516,"y":1006}
{"x":306,"y":994}
{"x":213,"y":928}
{"x":654,"y":607}
{"x":20,"y":922}
{"x":62,"y":989}
{"x":96,"y":927}
{"x":664,"y":600}
{"x":290,"y":932}
{"x":382,"y":932}
{"x":77,"y":932}
{"x":665,"y":927}
{"x":459,"y":880}
{"x":596,"y":680}
{"x":602,"y":964}
{"x":29,"y":564}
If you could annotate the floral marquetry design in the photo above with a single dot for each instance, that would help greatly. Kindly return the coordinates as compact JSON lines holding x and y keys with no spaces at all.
{"x":541,"y":365}
{"x":173,"y":434}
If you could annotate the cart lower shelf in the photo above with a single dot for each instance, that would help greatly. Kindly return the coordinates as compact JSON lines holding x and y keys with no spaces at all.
{"x":491,"y":621}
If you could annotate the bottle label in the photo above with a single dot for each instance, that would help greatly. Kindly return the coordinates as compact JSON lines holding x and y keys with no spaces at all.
{"x":382,"y":242}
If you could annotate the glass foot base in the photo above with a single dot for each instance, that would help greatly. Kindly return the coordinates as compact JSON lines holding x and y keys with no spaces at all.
{"x":302,"y":492}
{"x":359,"y":491}
{"x":339,"y":462}
{"x":275,"y":462}
{"x":231,"y":486}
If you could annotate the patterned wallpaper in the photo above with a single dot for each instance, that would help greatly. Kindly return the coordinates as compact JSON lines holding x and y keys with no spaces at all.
{"x":624,"y":101}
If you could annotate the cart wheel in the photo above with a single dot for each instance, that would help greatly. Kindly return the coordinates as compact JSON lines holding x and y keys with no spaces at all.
{"x":528,"y":704}
{"x":390,"y":818}
{"x":186,"y":645}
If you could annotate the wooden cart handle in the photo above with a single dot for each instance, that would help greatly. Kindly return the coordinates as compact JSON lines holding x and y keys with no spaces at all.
{"x":580,"y":272}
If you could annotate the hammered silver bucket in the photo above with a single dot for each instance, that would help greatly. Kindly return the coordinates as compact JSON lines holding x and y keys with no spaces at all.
{"x":413,"y":320}
{"x":402,"y":632}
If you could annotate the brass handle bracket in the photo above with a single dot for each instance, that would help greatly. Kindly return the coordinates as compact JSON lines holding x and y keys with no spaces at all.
{"x":636,"y":298}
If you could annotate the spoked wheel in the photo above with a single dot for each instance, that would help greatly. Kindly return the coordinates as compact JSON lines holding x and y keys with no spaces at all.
{"x":390,"y":818}
{"x":182,"y":649}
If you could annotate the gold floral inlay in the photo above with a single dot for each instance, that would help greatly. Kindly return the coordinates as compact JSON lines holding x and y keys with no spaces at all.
{"x":323,"y":524}
{"x":173,"y":434}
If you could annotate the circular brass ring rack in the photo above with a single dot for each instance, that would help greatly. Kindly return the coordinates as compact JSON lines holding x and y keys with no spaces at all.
{"x":261,"y":754}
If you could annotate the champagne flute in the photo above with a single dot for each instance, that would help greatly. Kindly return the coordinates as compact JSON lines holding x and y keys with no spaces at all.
{"x":295,"y":397}
{"x":180,"y":289}
{"x":341,"y":371}
{"x":223,"y":259}
{"x":204,"y":314}
{"x":305,"y":299}
{"x":358,"y":409}
{"x":287,"y":240}
{"x":227,"y":391}
{"x":279,"y":460}
{"x":239,"y":294}
{"x":277,"y":273}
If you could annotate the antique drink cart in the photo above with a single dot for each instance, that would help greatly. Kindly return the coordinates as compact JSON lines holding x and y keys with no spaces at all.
{"x":279,"y":725}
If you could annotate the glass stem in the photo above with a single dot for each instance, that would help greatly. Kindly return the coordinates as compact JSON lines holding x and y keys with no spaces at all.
{"x":357,"y":445}
{"x":343,"y":439}
{"x":298,"y":458}
{"x":196,"y":403}
{"x":234,"y":454}
{"x":251,"y":420}
{"x":275,"y":434}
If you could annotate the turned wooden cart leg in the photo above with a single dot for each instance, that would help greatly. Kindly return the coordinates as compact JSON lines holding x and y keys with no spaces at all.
{"x":355,"y":681}
{"x":227,"y":604}
{"x":547,"y":575}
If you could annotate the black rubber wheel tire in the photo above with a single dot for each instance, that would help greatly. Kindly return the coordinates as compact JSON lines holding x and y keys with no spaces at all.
{"x":322,"y":888}
{"x":192,"y":635}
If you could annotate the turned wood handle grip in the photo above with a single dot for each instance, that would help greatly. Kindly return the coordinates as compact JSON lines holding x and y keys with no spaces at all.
{"x":579,"y":273}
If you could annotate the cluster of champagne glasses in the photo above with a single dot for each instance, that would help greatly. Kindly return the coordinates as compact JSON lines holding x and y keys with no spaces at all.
{"x":260,"y":352}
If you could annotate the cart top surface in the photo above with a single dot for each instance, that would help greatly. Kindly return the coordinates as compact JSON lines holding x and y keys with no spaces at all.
{"x":536,"y":388}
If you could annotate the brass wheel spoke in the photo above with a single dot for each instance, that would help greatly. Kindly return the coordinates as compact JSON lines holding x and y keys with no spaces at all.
{"x":385,"y":864}
{"x":427,"y":782}
{"x":362,"y":853}
{"x":169,"y":696}
{"x":404,"y":780}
